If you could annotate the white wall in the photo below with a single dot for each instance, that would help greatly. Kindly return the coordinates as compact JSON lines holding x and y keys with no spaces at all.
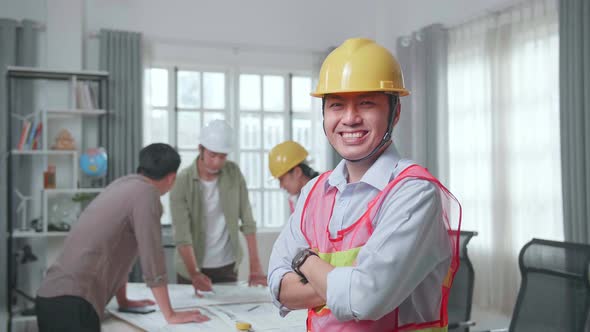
{"x":305,"y":24}
{"x":23,"y":9}
{"x":64,"y":34}
{"x":253,"y":33}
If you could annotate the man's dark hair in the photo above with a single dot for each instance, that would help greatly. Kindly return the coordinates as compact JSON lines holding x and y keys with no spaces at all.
{"x":158,"y":160}
{"x":307,"y":171}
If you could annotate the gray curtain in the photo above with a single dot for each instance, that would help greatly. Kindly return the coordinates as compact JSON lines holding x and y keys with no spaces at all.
{"x":120,"y":55}
{"x":421,"y":133}
{"x":574,"y":78}
{"x":18,"y":46}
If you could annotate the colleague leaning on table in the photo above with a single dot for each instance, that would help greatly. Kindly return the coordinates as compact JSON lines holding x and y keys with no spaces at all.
{"x":369,"y":246}
{"x":121,"y":223}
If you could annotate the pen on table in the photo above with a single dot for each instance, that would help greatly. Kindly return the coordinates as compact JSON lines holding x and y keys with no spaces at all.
{"x":254,"y":307}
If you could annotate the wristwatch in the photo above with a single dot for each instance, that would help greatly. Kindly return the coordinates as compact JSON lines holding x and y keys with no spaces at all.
{"x":299,"y":259}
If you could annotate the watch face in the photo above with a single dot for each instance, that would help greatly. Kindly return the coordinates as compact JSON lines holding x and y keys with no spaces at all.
{"x":300,"y":258}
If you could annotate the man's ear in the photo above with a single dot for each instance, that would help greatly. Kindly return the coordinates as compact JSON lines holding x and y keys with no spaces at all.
{"x":297,"y":171}
{"x":398,"y":110}
{"x":171,"y":178}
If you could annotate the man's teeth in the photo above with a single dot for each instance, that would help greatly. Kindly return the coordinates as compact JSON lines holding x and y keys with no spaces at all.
{"x":352,"y":135}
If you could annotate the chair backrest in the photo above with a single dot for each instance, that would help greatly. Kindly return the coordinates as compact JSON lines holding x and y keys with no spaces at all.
{"x":554,"y":293}
{"x":459,"y":304}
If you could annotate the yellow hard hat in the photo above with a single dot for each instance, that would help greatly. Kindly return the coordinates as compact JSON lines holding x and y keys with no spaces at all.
{"x":360,"y":65}
{"x":284,"y":156}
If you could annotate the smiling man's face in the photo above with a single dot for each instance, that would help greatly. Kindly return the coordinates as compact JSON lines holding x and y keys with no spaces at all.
{"x":356,"y":122}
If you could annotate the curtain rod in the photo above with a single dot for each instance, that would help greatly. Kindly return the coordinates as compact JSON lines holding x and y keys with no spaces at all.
{"x":498,"y":9}
{"x":235,"y":47}
{"x":495,"y":10}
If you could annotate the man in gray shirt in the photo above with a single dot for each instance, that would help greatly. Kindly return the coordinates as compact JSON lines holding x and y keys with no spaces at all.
{"x":118,"y":225}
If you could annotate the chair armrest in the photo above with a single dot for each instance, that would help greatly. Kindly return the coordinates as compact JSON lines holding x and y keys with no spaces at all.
{"x":455,"y":325}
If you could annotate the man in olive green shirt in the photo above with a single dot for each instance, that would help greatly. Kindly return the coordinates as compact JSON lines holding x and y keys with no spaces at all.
{"x":208,"y":201}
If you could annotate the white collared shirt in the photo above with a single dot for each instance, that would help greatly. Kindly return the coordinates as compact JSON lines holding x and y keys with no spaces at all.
{"x":401,"y":265}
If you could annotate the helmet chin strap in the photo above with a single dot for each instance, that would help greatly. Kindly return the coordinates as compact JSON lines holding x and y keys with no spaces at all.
{"x":386,"y":138}
{"x":393,"y":102}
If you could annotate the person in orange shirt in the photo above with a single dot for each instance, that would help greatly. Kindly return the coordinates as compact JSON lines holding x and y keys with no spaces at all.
{"x":287,"y":163}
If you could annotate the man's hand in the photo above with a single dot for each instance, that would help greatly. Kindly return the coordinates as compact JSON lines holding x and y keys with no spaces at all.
{"x":201,"y":283}
{"x":257,"y":278}
{"x":180,"y":317}
{"x":316,"y":270}
{"x":124,"y":302}
{"x":136,"y":303}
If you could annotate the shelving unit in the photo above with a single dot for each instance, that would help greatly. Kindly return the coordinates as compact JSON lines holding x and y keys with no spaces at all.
{"x":42,"y":152}
{"x":33,"y":234}
{"x":54,"y":110}
{"x":75,"y":112}
{"x":23,"y":319}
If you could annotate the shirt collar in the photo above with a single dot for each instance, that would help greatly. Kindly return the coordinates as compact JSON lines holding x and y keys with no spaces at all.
{"x":194,"y":171}
{"x":384,"y":165}
{"x":143,"y":178}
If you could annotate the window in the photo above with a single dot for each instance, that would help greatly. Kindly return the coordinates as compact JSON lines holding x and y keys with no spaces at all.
{"x":263,"y":119}
{"x":155,"y":125}
{"x":266,"y":109}
{"x":200,"y":98}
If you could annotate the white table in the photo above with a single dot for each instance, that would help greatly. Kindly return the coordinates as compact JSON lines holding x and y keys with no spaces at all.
{"x":229,"y":303}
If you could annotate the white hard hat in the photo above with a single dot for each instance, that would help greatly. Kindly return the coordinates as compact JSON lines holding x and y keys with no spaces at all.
{"x":217,"y":136}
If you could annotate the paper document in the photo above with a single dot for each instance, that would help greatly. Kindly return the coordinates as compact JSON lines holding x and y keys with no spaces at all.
{"x":226,"y":305}
{"x":156,"y":322}
{"x":183,"y":296}
{"x":262,"y":317}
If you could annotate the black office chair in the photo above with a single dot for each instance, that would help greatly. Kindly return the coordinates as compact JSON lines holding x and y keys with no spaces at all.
{"x":554,"y":293}
{"x":459,"y":303}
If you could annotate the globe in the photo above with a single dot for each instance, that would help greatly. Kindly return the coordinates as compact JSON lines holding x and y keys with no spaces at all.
{"x":93,"y":162}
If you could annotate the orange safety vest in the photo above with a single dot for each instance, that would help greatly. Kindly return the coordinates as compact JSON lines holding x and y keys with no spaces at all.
{"x":343,"y":250}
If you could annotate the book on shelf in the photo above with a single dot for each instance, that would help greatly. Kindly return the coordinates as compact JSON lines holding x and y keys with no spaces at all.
{"x":30,"y":135}
{"x":37,"y":136}
{"x":29,"y":143}
{"x":24,"y":134}
{"x":85,"y":96}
